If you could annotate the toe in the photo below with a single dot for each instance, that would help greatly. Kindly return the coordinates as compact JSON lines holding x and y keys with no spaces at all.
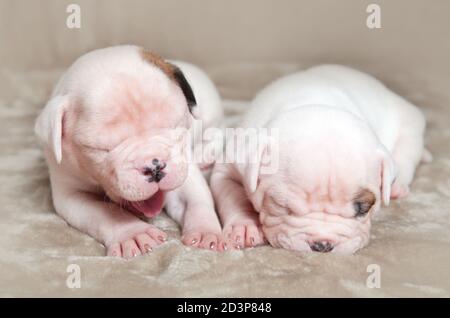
{"x":227,"y":232}
{"x":238,"y":236}
{"x":157,"y":235}
{"x":223,"y":244}
{"x":252,"y":236}
{"x":399,"y":191}
{"x":192,"y":239}
{"x":145,"y":243}
{"x":130,"y":249}
{"x":114,"y":250}
{"x":209,"y":241}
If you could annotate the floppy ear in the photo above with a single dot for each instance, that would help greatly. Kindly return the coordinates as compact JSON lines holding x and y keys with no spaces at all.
{"x":48,"y":125}
{"x":388,"y":174}
{"x":186,"y":88}
{"x":258,"y":156}
{"x":250,"y":170}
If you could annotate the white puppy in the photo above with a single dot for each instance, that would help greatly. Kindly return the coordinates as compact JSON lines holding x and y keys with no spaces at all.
{"x":115,"y":143}
{"x":346,"y":143}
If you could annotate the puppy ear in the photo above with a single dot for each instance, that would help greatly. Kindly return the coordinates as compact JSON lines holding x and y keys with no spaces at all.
{"x":257,"y":156}
{"x":388,"y":174}
{"x":186,"y":88}
{"x":250,"y":170}
{"x":175,"y":74}
{"x":49,"y":124}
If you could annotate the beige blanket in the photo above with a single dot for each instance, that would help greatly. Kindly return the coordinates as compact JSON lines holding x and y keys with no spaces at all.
{"x":410,"y":239}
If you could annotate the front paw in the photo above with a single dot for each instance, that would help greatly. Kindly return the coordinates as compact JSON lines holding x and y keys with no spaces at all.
{"x":244,"y":233}
{"x":137,"y":242}
{"x":205,"y":239}
{"x":399,"y":191}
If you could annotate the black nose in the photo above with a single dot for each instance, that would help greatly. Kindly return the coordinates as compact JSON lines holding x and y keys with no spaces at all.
{"x":155,"y":171}
{"x":321,"y":246}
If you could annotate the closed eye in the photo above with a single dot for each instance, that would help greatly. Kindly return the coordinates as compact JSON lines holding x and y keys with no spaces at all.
{"x":95,"y":148}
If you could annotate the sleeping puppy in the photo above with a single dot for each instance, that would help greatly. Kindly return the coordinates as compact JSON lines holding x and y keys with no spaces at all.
{"x":116,"y":142}
{"x":345,"y":145}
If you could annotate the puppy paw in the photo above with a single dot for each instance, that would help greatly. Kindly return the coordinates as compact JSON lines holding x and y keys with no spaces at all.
{"x":137,"y":243}
{"x":244,"y":234}
{"x":399,"y":191}
{"x":205,"y":239}
{"x":427,"y":156}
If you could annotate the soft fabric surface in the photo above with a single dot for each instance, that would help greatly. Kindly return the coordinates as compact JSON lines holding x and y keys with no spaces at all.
{"x":410,"y":239}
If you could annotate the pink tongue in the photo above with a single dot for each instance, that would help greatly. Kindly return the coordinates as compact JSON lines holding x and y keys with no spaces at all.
{"x":151,"y":206}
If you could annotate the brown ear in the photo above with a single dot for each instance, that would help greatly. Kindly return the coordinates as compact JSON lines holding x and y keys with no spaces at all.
{"x":175,"y":74}
{"x":363,"y":202}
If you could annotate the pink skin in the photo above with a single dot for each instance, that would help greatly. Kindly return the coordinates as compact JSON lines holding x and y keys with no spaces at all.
{"x":142,"y":243}
{"x":108,"y":126}
{"x":241,"y":226}
{"x":113,"y":162}
{"x":294,"y":212}
{"x":399,"y":191}
{"x":203,"y":238}
{"x":311,"y":196}
{"x":307,"y":208}
{"x":139,"y":129}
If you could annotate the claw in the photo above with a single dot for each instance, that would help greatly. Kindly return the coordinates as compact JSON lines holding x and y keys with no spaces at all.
{"x":147,"y":248}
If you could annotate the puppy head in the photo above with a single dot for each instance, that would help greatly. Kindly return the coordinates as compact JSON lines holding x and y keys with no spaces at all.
{"x":333,"y":174}
{"x":119,"y":119}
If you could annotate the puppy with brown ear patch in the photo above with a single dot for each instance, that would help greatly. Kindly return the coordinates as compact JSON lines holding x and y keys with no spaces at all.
{"x":115,"y":143}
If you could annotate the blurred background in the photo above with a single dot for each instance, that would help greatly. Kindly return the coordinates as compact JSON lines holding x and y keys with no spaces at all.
{"x":244,"y":38}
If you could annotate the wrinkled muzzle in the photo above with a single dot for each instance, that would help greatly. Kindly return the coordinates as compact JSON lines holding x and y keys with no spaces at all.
{"x":312,"y":233}
{"x":142,"y":166}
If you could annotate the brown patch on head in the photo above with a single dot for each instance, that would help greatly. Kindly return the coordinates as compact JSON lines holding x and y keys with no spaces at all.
{"x":158,"y":61}
{"x":363,"y":202}
{"x":174,"y":73}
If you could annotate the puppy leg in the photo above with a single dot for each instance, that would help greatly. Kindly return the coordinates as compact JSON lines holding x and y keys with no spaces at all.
{"x":409,"y":148}
{"x":192,"y":206}
{"x":123,"y":234}
{"x":240,"y":221}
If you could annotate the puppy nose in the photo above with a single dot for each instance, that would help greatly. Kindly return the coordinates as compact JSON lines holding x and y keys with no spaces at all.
{"x":321,"y":246}
{"x":155,"y":171}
